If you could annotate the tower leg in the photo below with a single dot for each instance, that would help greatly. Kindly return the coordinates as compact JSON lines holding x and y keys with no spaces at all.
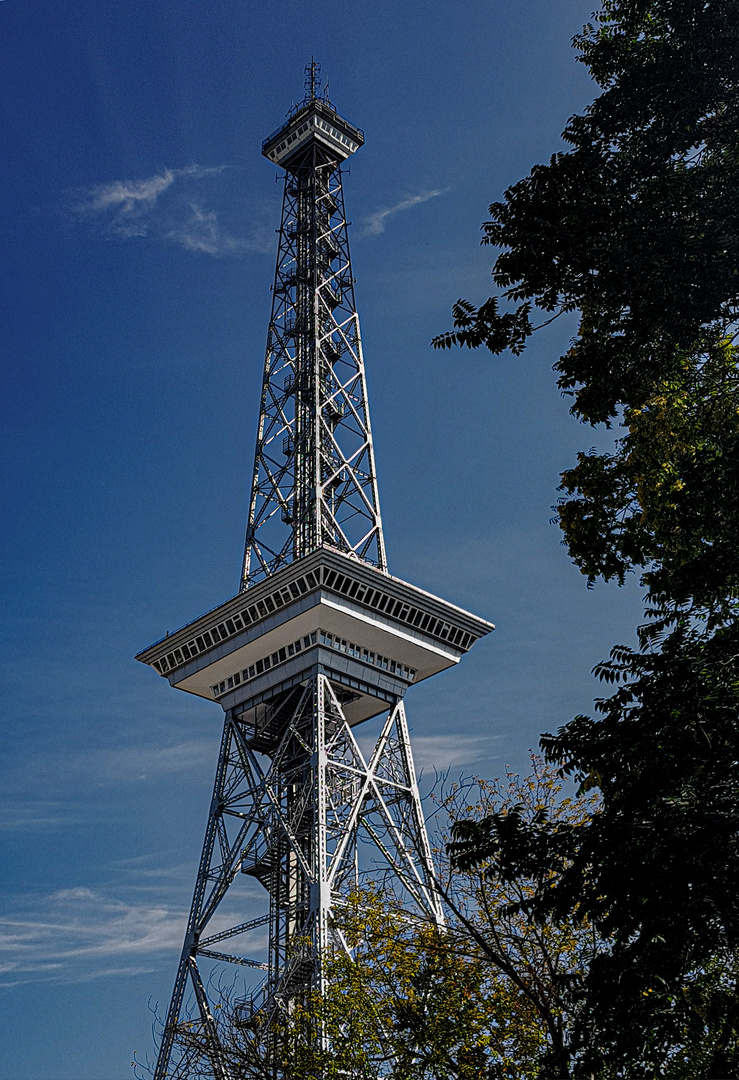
{"x":186,"y":1039}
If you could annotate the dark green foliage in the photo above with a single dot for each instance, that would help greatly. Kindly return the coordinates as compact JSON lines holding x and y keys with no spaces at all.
{"x":668,"y":496}
{"x":637,"y":228}
{"x":656,"y":870}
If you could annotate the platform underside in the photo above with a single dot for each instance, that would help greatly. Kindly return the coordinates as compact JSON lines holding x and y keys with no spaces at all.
{"x":367,"y":631}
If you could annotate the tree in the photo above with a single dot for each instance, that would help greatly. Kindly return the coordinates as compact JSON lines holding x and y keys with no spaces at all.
{"x":534,"y":964}
{"x":487,"y":996}
{"x":637,"y":228}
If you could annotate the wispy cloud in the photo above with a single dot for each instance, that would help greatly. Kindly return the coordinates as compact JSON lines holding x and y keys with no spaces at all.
{"x":167,"y":206}
{"x":375,"y":223}
{"x":135,"y":763}
{"x":448,"y":751}
{"x":74,"y":934}
{"x":130,"y":198}
{"x":78,"y":934}
{"x":200,"y":230}
{"x":127,"y":207}
{"x":439,"y":752}
{"x":35,"y":815}
{"x":95,"y":768}
{"x":171,"y":206}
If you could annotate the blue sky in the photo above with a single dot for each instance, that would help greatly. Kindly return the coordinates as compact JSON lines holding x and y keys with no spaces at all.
{"x":137,"y":224}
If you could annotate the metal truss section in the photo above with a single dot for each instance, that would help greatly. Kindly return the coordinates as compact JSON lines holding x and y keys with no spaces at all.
{"x":297,"y":808}
{"x":314,"y":481}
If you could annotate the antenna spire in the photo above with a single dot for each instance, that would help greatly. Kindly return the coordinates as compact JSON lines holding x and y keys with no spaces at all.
{"x":312,"y":79}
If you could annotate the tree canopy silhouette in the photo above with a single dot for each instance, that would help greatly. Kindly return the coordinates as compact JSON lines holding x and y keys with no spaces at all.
{"x":636,"y":227}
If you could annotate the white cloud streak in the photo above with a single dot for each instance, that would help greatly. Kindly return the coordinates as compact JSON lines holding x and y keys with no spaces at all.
{"x":168,"y":207}
{"x":448,"y":751}
{"x":375,"y":223}
{"x":128,"y":197}
{"x":199,"y":230}
{"x":35,"y":816}
{"x":76,"y":778}
{"x":73,"y":934}
{"x":165,"y":207}
{"x":439,"y":752}
{"x":98,"y":768}
{"x":79,"y":934}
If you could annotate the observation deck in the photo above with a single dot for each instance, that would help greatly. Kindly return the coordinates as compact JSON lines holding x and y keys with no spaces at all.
{"x":370,"y":633}
{"x":314,"y":122}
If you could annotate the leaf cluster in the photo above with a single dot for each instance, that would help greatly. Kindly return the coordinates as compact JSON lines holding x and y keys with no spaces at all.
{"x":637,"y":226}
{"x":484,"y":997}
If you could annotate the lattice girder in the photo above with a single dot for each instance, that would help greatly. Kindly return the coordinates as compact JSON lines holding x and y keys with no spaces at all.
{"x":314,"y":480}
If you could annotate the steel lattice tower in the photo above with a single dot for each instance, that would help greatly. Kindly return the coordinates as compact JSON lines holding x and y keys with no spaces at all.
{"x":314,"y":479}
{"x":319,"y":639}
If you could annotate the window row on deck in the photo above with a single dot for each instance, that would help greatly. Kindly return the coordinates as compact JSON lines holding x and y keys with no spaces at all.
{"x":344,"y":584}
{"x":265,"y":663}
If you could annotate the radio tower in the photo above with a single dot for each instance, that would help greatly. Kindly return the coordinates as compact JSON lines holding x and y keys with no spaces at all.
{"x":319,"y":639}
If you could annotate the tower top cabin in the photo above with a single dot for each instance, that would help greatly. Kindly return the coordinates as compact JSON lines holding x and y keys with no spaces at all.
{"x":317,"y":123}
{"x":314,"y":123}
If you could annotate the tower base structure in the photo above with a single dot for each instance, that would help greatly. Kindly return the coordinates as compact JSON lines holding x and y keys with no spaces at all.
{"x":299,"y":814}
